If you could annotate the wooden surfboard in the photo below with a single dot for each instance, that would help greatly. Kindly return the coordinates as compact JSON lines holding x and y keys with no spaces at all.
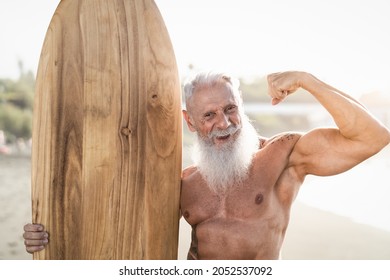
{"x":107,"y":133}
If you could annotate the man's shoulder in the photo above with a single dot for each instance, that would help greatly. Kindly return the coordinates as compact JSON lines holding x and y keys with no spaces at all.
{"x":188,"y":171}
{"x":281,"y":138}
{"x":190,"y":176}
{"x":277,"y":150}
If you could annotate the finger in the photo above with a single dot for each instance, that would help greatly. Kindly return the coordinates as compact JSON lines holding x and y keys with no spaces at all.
{"x":275,"y":101}
{"x":285,"y":93}
{"x":36,"y":235}
{"x":279,"y":96}
{"x":282,"y":93}
{"x":33,"y":249}
{"x":274,"y":92}
{"x":33,"y":227}
{"x":32,"y":243}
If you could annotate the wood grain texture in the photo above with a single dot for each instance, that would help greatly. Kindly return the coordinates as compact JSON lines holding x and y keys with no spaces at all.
{"x":106,"y":159}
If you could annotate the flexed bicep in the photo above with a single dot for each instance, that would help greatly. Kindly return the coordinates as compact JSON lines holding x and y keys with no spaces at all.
{"x":326,"y":152}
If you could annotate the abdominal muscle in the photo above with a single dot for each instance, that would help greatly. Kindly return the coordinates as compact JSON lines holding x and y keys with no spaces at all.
{"x":223,"y":238}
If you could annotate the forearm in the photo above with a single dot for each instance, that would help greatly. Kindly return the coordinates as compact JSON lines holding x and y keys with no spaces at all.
{"x":351,"y":117}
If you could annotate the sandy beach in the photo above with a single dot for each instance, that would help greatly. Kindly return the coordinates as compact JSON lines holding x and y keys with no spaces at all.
{"x":312,"y":234}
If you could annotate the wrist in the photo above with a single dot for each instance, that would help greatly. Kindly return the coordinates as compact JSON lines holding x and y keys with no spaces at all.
{"x":309,"y":82}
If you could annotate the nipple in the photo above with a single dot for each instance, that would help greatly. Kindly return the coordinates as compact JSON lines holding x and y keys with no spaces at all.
{"x":259,"y":198}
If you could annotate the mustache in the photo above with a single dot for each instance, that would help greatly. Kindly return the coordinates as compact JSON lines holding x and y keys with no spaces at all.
{"x":225,"y":132}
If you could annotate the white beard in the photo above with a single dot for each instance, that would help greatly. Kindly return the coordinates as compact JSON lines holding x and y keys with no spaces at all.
{"x":228,"y":165}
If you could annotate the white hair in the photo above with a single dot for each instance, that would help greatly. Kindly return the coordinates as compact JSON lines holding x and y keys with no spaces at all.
{"x":227,"y":166}
{"x":208,"y":79}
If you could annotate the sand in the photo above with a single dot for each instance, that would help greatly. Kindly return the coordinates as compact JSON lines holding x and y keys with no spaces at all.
{"x":312,"y":233}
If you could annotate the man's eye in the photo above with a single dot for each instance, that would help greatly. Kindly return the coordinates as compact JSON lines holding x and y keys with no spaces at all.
{"x":230,"y":108}
{"x":208,"y":115}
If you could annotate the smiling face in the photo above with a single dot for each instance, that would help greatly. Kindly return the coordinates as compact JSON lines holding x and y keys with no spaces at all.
{"x":227,"y":141}
{"x":213,"y":112}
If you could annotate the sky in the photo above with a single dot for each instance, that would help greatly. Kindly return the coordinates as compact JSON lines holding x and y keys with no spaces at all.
{"x":345,"y":43}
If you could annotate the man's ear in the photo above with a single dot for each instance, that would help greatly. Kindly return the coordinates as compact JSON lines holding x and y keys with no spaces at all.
{"x":188,"y":120}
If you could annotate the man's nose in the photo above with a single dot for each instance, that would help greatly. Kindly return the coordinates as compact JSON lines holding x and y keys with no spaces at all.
{"x":223,"y":122}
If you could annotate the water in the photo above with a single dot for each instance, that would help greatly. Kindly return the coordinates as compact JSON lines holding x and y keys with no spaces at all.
{"x":361,"y":193}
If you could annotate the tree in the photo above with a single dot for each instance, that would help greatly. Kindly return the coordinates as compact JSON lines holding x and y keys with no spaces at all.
{"x":16,"y":103}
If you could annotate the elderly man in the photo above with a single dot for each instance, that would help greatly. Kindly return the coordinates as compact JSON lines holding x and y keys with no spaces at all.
{"x":238,"y":194}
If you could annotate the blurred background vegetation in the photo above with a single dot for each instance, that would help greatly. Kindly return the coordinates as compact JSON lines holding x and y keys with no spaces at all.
{"x":16,"y":105}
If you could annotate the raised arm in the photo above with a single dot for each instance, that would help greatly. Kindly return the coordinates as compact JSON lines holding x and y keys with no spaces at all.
{"x":329,"y":151}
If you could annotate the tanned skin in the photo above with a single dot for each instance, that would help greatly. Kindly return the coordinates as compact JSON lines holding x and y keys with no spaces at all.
{"x":249,"y":221}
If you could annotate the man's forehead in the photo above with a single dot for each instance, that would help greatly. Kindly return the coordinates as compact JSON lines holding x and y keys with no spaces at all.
{"x":220,"y":92}
{"x":209,"y":97}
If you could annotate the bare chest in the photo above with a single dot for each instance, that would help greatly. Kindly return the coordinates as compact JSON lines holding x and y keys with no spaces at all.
{"x":249,"y":201}
{"x":268,"y":190}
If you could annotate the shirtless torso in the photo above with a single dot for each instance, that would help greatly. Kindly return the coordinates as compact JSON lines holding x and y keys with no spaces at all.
{"x":248,"y":221}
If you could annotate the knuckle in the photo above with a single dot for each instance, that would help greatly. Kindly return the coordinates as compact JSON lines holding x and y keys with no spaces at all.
{"x":27,"y":242}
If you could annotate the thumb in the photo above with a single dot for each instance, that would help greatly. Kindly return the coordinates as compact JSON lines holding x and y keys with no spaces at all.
{"x":275,"y":101}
